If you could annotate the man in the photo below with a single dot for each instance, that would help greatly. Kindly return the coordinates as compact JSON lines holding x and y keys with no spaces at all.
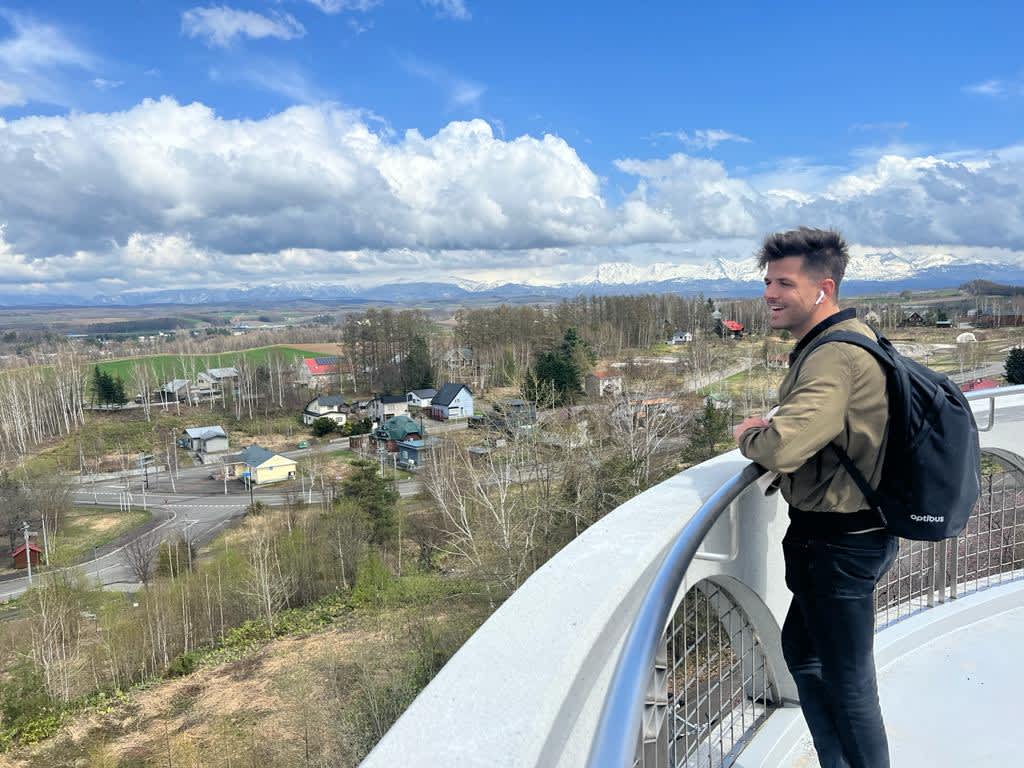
{"x":836,"y":549}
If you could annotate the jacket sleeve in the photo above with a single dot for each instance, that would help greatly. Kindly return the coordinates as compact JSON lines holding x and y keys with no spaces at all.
{"x":811,"y":416}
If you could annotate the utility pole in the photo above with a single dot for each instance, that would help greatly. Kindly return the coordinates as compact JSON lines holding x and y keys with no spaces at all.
{"x":28,"y":551}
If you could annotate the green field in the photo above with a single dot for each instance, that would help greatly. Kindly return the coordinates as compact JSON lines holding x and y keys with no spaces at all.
{"x":87,"y":527}
{"x":181,"y":366}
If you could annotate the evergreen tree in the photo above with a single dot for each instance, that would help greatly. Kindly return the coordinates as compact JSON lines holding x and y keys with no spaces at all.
{"x":1015,"y":366}
{"x":376,"y":498}
{"x":323,"y":426}
{"x":706,"y":432}
{"x":417,"y":372}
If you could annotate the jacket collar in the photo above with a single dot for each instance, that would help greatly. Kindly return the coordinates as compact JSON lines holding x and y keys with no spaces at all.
{"x":828,"y":322}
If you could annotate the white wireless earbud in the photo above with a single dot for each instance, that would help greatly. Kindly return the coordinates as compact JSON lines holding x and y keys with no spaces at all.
{"x":821,"y":298}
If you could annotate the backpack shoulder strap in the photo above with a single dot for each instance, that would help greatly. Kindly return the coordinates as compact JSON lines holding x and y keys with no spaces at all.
{"x":849,"y":337}
{"x":886,"y":360}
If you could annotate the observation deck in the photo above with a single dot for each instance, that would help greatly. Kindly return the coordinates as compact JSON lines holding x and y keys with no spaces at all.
{"x":653,"y":638}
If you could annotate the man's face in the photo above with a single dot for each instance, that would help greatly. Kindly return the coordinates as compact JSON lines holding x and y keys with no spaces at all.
{"x":789,"y":293}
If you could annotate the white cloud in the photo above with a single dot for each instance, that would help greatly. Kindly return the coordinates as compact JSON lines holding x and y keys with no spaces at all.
{"x":165,"y":194}
{"x":703,"y":138}
{"x":102,"y":84}
{"x":284,"y":79}
{"x":460,"y":92}
{"x":337,"y":6}
{"x":220,"y":25}
{"x":10,"y":95}
{"x":451,"y":9}
{"x":988,"y":88}
{"x":35,"y":60}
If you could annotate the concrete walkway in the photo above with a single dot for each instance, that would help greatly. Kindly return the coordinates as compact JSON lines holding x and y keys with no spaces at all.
{"x":950,"y":701}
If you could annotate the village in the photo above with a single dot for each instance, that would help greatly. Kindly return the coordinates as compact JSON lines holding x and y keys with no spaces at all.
{"x":413,"y":452}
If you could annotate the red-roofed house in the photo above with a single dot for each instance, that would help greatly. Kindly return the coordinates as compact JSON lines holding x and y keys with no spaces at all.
{"x":731,"y":329}
{"x":975,"y":384}
{"x":21,"y":559}
{"x":316,"y":371}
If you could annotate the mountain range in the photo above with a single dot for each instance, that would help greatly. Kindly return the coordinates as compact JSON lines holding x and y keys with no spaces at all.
{"x":868,"y":273}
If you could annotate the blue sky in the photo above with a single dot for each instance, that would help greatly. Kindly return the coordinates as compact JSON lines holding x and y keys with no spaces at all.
{"x":235,"y":134}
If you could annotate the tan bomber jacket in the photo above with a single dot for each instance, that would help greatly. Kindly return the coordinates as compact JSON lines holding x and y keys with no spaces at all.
{"x":839,"y":395}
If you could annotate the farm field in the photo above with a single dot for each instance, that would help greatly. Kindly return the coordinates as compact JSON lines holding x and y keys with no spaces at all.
{"x":171,"y":365}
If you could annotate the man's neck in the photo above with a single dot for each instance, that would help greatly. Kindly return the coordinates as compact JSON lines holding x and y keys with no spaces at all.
{"x":823,"y":313}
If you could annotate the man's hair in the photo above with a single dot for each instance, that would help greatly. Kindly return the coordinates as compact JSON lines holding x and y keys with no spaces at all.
{"x":824,"y":250}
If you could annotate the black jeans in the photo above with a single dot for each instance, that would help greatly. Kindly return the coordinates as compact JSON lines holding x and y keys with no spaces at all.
{"x":828,"y":641}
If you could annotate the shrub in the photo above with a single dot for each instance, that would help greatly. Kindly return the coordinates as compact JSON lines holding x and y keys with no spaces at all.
{"x":323,"y":426}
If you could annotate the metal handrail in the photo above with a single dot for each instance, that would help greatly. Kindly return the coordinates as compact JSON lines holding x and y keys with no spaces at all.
{"x":990,"y":395}
{"x":621,"y":716}
{"x":615,"y":742}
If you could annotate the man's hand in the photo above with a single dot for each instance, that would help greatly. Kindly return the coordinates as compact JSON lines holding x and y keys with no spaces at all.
{"x":749,"y":423}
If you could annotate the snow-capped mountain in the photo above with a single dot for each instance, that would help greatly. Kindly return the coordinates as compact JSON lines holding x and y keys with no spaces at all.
{"x":867,"y":272}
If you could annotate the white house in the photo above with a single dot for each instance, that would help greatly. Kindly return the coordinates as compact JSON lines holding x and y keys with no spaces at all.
{"x":218,"y":378}
{"x":204,"y":440}
{"x":175,"y":389}
{"x":452,"y":401}
{"x":681,"y":337}
{"x":385,"y":406}
{"x":420,"y":397}
{"x":324,"y":407}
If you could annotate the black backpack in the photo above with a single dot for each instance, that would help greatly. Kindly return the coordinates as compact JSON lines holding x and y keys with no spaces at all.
{"x":931,"y":476}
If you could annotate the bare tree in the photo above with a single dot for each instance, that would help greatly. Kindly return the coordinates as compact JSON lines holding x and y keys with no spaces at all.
{"x":140,"y":555}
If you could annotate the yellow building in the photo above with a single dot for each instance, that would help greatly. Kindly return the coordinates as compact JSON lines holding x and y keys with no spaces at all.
{"x":260,"y":466}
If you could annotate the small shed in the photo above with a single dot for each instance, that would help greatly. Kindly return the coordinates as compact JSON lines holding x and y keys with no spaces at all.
{"x":21,"y":558}
{"x":413,"y":454}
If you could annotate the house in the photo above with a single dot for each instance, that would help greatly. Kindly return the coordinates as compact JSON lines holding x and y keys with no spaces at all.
{"x":218,"y":378}
{"x":975,"y":384}
{"x":601,"y":383}
{"x":324,"y":407}
{"x":459,"y":360}
{"x":258,"y":465}
{"x":318,"y":371}
{"x":413,"y":454}
{"x":943,"y":323}
{"x":397,"y":429}
{"x":420,"y":398}
{"x":175,"y":389}
{"x":719,"y":401}
{"x":452,"y":401}
{"x":21,"y":555}
{"x":681,"y":337}
{"x":729,"y":329}
{"x":385,"y":406}
{"x":204,"y":440}
{"x":912,"y":319}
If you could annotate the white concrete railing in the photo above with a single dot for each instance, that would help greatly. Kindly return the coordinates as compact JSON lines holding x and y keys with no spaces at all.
{"x":528,"y":687}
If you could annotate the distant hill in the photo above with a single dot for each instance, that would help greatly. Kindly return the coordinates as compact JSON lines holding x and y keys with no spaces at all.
{"x":988,"y":288}
{"x":874,"y":273}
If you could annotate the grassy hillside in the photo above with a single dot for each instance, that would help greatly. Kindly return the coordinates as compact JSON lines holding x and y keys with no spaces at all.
{"x":169,"y":365}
